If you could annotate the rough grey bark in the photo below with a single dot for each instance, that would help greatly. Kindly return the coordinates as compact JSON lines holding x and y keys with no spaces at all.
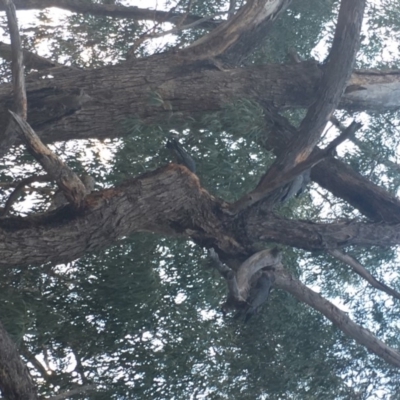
{"x":169,"y":201}
{"x":120,"y":92}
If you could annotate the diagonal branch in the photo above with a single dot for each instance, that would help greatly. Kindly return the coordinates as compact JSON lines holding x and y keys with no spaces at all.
{"x":339,"y":318}
{"x":333,"y":83}
{"x":362,"y":271}
{"x":230,"y":32}
{"x":337,"y":177}
{"x":31,"y":60}
{"x":72,"y":187}
{"x":288,"y":176}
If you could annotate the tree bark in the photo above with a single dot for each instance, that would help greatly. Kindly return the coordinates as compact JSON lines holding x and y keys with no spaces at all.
{"x":122,"y":91}
{"x":15,"y":380}
{"x":169,"y":201}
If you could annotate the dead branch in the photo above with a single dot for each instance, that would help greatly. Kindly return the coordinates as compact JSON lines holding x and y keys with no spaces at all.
{"x":339,"y":318}
{"x":362,"y":271}
{"x":72,"y":187}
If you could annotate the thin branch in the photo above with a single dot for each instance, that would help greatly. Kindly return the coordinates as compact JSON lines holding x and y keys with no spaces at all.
{"x":339,"y":318}
{"x":363,"y":147}
{"x":361,"y":270}
{"x":31,"y":60}
{"x":20,"y":188}
{"x":179,"y":28}
{"x":265,"y":188}
{"x":79,"y":390}
{"x":35,"y":362}
{"x":17,"y":61}
{"x":111,"y":10}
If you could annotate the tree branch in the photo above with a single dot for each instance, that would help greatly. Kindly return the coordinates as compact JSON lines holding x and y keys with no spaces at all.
{"x":288,"y":176}
{"x":111,"y":10}
{"x":8,"y":137}
{"x":361,"y":270}
{"x":31,"y":60}
{"x":17,"y":61}
{"x":222,"y":38}
{"x":336,"y":74}
{"x":19,"y":188}
{"x":78,"y":390}
{"x":72,"y":187}
{"x":339,"y":318}
{"x":169,"y":201}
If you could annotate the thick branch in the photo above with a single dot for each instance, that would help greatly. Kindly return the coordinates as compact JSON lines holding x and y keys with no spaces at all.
{"x":169,"y":201}
{"x":246,"y":20}
{"x":193,"y":93}
{"x":336,"y":74}
{"x":339,"y":318}
{"x":316,"y":236}
{"x":362,"y":271}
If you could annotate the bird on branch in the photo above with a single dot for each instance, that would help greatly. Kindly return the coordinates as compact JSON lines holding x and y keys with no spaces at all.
{"x":182,"y":156}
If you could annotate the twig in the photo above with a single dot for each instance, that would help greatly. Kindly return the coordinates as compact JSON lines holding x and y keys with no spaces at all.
{"x":19,"y":188}
{"x":79,"y":390}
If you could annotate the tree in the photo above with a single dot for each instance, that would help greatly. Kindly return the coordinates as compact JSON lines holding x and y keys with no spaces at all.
{"x":125,"y":309}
